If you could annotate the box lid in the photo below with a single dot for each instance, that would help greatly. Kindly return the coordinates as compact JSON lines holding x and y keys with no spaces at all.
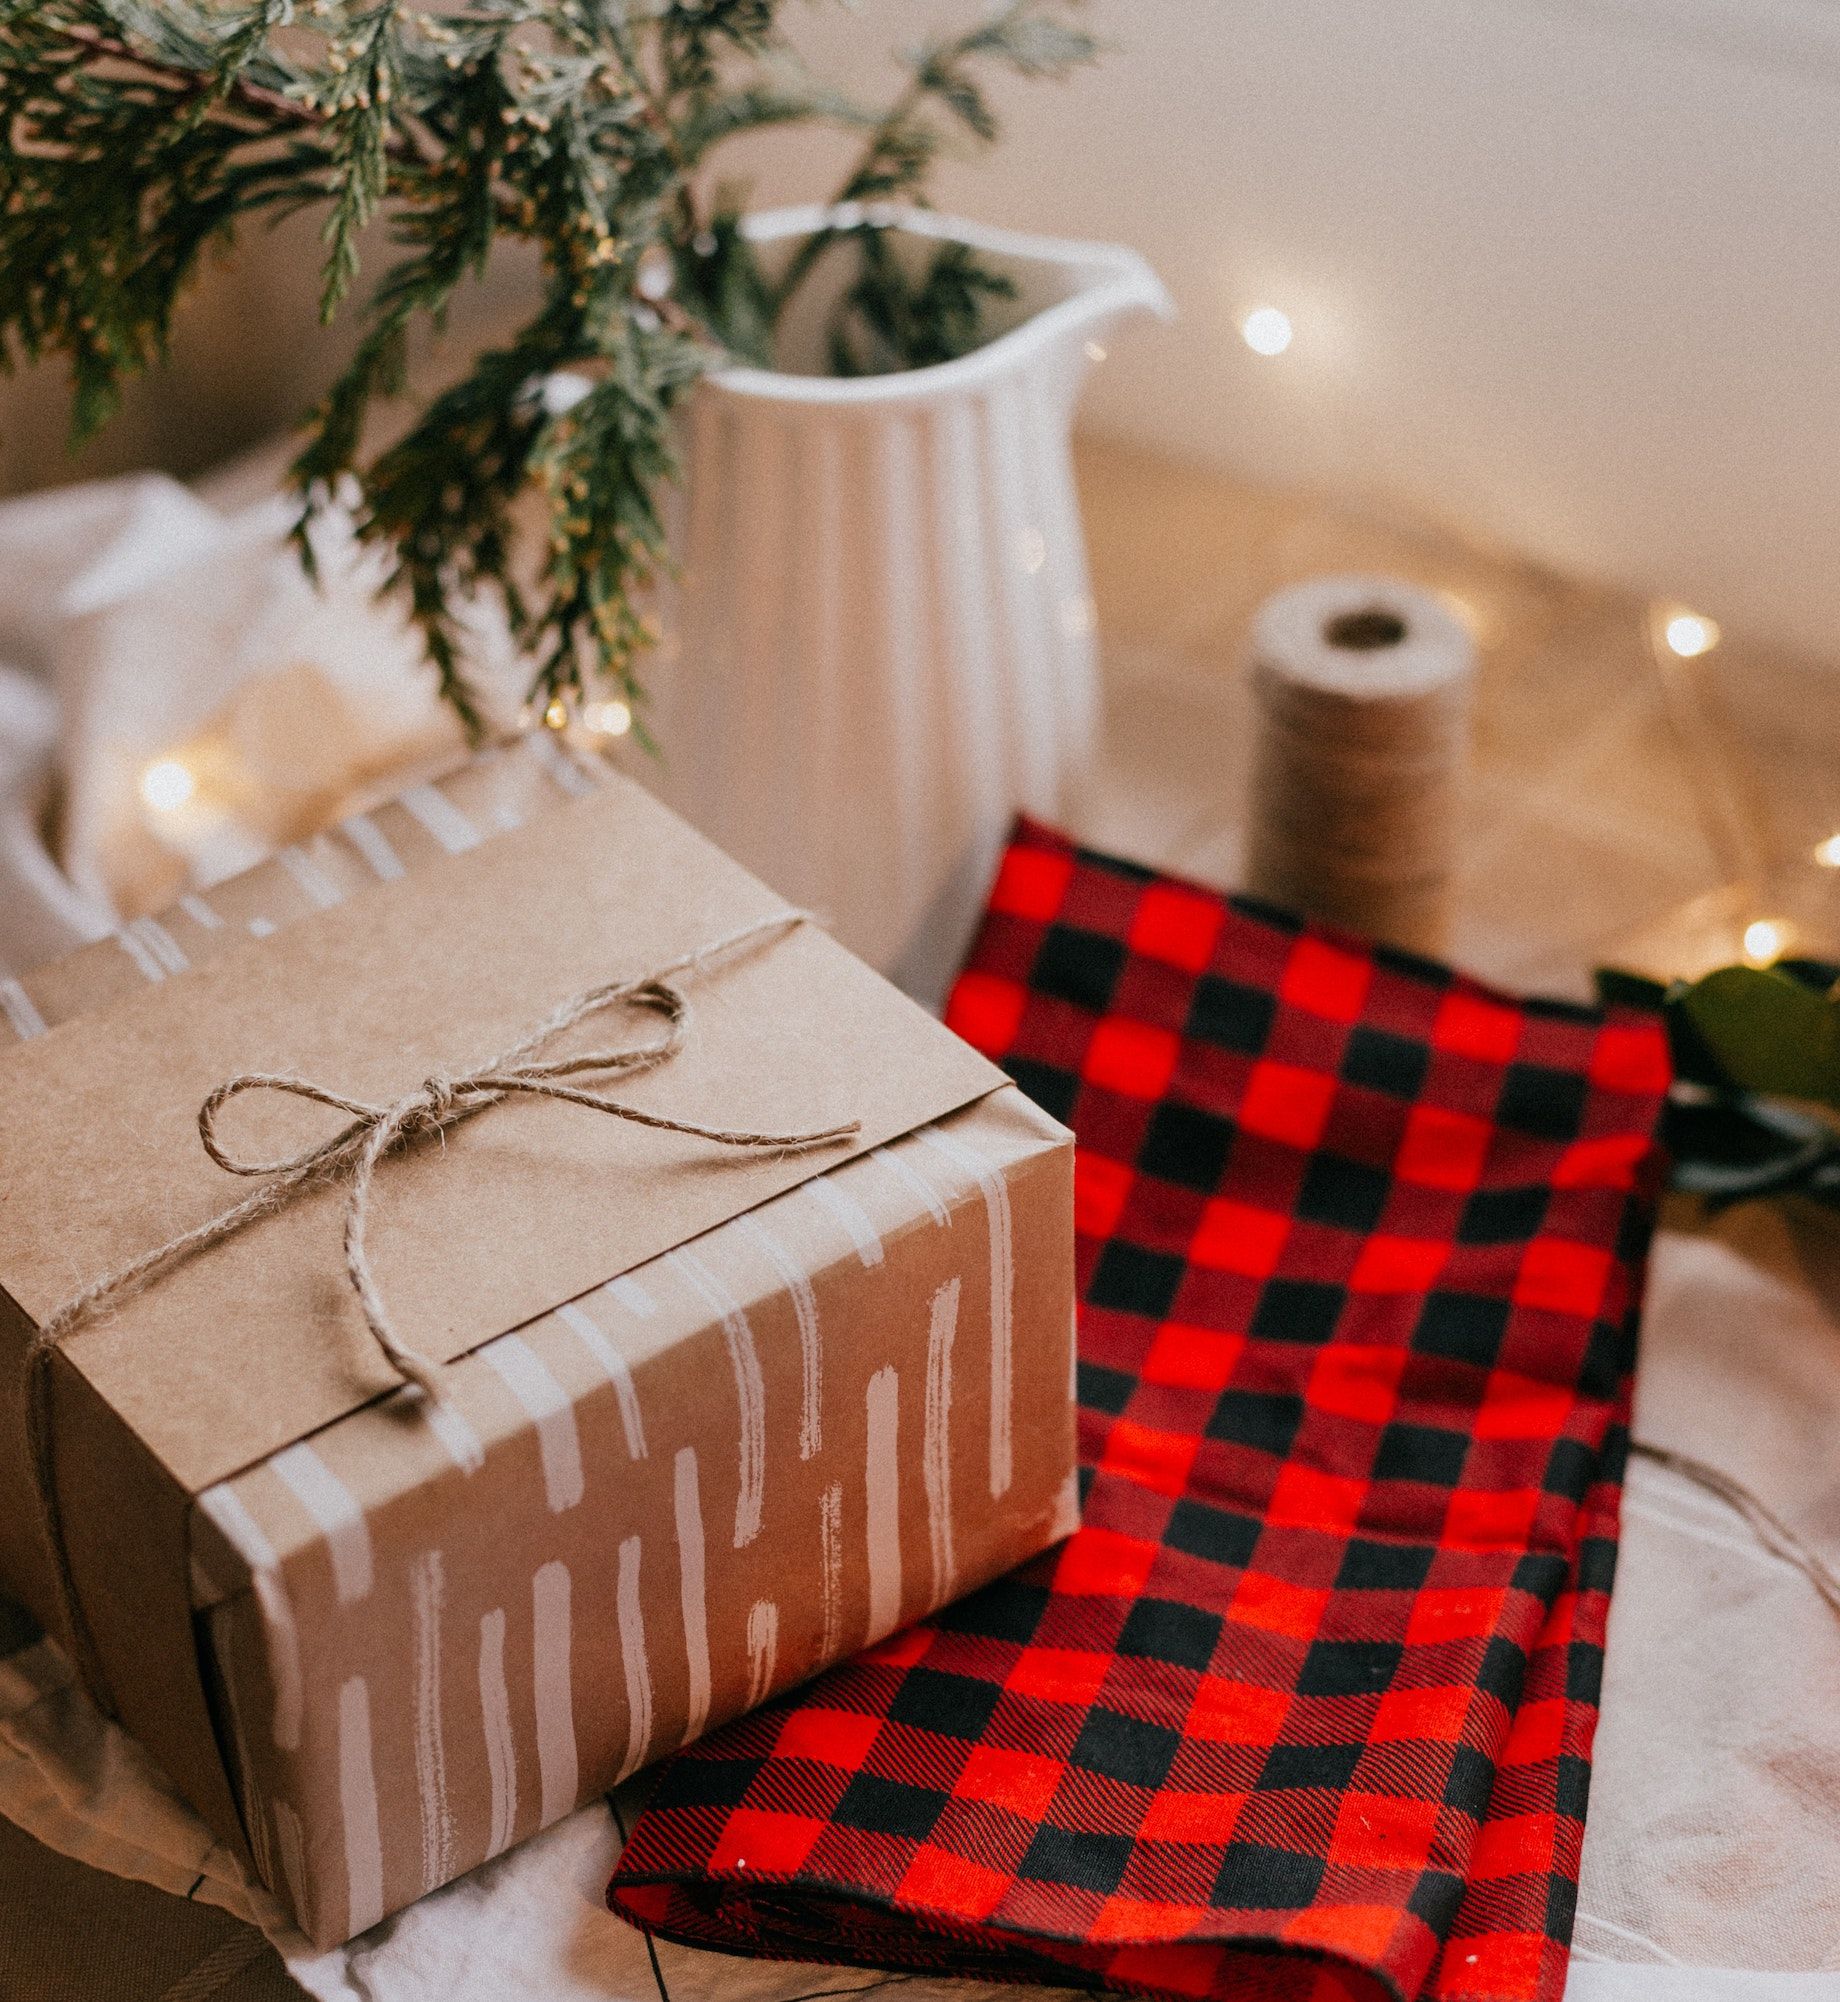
{"x":252,"y":1345}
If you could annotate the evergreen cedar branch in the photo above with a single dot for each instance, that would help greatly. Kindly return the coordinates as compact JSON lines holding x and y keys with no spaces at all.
{"x":138,"y":132}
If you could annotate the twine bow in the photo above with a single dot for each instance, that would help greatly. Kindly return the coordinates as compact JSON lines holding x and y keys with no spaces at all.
{"x":352,"y":1155}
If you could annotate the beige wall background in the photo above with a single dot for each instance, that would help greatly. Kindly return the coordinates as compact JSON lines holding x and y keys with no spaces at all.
{"x":248,"y":357}
{"x":1565,"y":273}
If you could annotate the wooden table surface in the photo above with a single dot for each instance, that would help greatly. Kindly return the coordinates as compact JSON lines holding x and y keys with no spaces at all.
{"x":1621,"y":805}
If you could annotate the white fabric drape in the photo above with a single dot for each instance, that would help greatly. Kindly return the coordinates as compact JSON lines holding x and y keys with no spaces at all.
{"x":139,"y":621}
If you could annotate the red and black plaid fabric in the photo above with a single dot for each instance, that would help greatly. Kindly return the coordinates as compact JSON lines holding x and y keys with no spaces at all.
{"x":1305,"y":1707}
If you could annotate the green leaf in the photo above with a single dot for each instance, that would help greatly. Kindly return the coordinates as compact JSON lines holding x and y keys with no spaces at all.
{"x":358,"y":121}
{"x":1732,"y":1147}
{"x":720,"y":280}
{"x":911,"y":323}
{"x":1619,"y":988}
{"x":1767,"y":1031}
{"x":762,"y":106}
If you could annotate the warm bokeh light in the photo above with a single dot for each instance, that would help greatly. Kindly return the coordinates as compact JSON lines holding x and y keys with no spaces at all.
{"x":1266,"y":331}
{"x":1688,"y":634}
{"x":1763,"y":942}
{"x":166,"y":785}
{"x":1828,"y":852}
{"x":556,"y":716}
{"x":607,"y":719}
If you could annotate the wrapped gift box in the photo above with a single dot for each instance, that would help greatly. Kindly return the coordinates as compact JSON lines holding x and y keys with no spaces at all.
{"x":709,"y":1417}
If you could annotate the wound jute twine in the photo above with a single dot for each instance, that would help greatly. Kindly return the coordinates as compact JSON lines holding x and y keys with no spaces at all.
{"x":351,"y":1155}
{"x":1361,"y":693}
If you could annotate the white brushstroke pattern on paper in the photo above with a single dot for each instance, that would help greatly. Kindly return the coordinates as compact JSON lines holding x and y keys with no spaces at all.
{"x":942,"y":1330}
{"x":458,"y":1440}
{"x":131,"y":942}
{"x":915,"y":1183}
{"x":428,"y":1592}
{"x":693,"y":1588}
{"x":568,"y":775}
{"x":374,"y":846}
{"x":314,"y":883}
{"x":200,"y":913}
{"x":547,"y":1405}
{"x":763,"y":1649}
{"x":811,"y":1347}
{"x":292,"y":1844}
{"x":207,"y":1587}
{"x":634,"y":1661}
{"x":558,"y":1765}
{"x":255,"y":1823}
{"x":495,"y":1717}
{"x":750,"y":1392}
{"x":1066,"y":1509}
{"x":335,"y":1511}
{"x":846,"y":1210}
{"x":586,"y":1330}
{"x":246,"y":1537}
{"x":21,"y":1011}
{"x":995,"y":1192}
{"x":440,"y":818}
{"x":278,"y":1623}
{"x":632,"y":1296}
{"x":261,"y":927}
{"x":830,"y":1543}
{"x":358,"y":1808}
{"x":161,"y":943}
{"x":882,"y":1487}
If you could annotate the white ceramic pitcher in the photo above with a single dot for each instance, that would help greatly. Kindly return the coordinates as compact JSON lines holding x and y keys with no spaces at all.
{"x":881,"y":643}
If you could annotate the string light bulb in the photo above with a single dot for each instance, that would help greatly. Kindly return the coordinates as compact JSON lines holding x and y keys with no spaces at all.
{"x":611,"y":718}
{"x":1266,"y":331}
{"x":556,"y":716}
{"x":167,"y":785}
{"x":1690,"y":634}
{"x":1763,"y":942}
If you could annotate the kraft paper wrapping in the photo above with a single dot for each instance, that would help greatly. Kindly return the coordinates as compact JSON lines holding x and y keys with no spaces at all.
{"x":492,"y":794}
{"x":422,"y":1638}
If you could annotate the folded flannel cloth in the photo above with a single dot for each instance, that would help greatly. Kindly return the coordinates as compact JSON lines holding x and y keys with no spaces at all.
{"x":1305,"y":1707}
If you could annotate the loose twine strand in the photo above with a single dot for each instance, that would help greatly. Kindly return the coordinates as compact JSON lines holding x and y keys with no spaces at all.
{"x":1770,"y":1530}
{"x":352,"y":1155}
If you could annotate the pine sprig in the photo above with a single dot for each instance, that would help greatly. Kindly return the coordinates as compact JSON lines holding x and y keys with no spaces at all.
{"x":1031,"y":38}
{"x":366,"y":67}
{"x":887,"y":320}
{"x":139,"y":133}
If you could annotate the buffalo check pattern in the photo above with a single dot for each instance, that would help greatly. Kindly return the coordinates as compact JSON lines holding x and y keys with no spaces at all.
{"x":1305,"y":1707}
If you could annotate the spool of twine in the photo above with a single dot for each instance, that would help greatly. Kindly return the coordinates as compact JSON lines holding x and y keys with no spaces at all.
{"x":1361,"y":723}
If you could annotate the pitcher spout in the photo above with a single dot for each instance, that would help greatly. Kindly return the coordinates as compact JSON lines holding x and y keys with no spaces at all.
{"x":1066,"y":299}
{"x":1115,"y":286}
